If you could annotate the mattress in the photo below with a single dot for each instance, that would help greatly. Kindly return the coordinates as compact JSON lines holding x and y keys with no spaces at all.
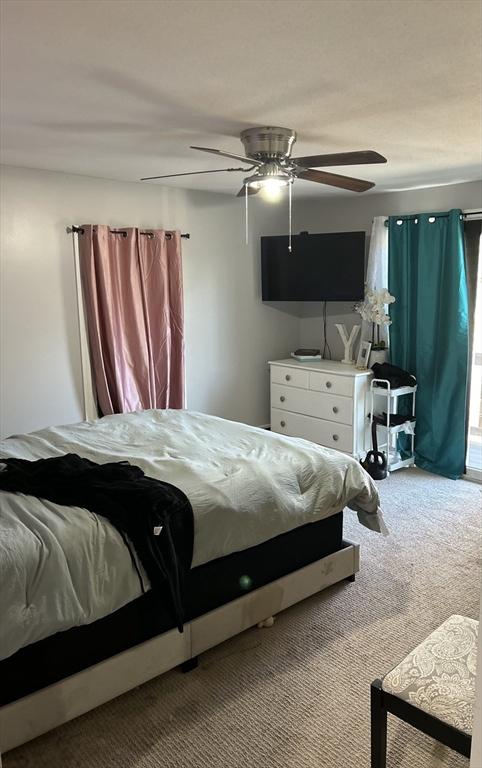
{"x":61,"y":568}
{"x":208,"y":586}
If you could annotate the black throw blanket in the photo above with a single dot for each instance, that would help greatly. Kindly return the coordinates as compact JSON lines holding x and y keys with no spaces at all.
{"x":156,"y":517}
{"x":397,"y":377}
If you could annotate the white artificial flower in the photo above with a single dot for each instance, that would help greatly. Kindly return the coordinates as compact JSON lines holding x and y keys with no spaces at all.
{"x":385,"y":297}
{"x":360,"y":307}
{"x":363,"y":309}
{"x":372,"y":309}
{"x":385,"y":320}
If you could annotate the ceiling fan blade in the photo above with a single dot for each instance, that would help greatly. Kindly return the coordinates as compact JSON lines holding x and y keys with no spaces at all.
{"x":335,"y":180}
{"x":192,"y":173}
{"x":365,"y":157}
{"x":219,"y":152}
{"x":251,"y":191}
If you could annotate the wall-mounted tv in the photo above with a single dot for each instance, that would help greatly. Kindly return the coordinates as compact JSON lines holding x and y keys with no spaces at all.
{"x":324,"y":267}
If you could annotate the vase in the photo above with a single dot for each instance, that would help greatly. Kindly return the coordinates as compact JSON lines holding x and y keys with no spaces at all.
{"x":378,"y":356}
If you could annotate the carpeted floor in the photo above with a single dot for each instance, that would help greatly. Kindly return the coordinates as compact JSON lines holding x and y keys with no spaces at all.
{"x":297,"y":695}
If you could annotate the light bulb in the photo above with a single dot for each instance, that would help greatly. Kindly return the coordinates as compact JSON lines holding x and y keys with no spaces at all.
{"x":270,"y":190}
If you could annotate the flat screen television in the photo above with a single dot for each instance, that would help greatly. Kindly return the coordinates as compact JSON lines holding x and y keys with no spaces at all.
{"x":324,"y":267}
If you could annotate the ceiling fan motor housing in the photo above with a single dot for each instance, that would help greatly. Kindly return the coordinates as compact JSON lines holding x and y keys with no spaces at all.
{"x":268,"y":142}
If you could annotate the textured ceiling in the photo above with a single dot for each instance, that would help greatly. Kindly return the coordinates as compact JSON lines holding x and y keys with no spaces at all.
{"x":120,"y":88}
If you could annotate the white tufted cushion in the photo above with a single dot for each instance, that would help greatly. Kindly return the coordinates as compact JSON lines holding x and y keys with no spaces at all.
{"x":439,"y":675}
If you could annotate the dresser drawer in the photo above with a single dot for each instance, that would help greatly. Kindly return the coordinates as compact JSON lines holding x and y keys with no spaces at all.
{"x":290,"y":376}
{"x":319,"y":404}
{"x":339,"y":436}
{"x":332,"y":383}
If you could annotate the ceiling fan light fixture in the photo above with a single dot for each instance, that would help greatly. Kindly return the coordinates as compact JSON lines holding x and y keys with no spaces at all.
{"x":269,"y":175}
{"x":271,"y":189}
{"x":270,"y":179}
{"x":268,"y":182}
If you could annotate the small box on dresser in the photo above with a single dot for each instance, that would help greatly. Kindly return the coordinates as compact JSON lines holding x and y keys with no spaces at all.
{"x":324,"y":401}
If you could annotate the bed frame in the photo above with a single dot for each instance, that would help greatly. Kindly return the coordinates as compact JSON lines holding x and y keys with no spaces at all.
{"x":39,"y":712}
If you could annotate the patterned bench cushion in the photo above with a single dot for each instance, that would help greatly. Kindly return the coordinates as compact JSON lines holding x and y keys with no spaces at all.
{"x":439,"y":675}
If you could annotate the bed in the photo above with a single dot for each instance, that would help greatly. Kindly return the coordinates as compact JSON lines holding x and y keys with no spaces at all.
{"x":80,"y":627}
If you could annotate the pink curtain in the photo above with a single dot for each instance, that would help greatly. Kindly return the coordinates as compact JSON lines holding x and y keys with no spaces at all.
{"x":132,"y":287}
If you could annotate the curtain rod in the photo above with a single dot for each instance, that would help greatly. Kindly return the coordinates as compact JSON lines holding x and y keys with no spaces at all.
{"x":80,"y":230}
{"x":466,"y":215}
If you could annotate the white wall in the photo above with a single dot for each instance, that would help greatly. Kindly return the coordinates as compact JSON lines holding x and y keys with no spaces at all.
{"x":356,"y":213}
{"x":230,"y":334}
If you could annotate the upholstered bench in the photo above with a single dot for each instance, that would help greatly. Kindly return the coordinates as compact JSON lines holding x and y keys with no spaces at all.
{"x":433,"y":689}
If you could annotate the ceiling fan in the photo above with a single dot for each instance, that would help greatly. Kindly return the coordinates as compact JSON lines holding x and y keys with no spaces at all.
{"x":268,"y":155}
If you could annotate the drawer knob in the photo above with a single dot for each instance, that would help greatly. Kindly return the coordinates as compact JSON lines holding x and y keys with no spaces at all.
{"x":283,"y":423}
{"x":335,"y":409}
{"x":282,"y":398}
{"x":288,"y":377}
{"x":335,"y":438}
{"x":328,"y":384}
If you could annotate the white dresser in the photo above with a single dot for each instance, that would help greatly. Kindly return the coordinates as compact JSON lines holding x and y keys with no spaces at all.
{"x":323,"y":401}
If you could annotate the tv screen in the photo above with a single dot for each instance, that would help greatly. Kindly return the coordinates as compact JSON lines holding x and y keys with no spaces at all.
{"x":325,"y":267}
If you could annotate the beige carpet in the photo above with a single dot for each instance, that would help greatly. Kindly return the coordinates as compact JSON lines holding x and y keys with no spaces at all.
{"x":297,"y":695}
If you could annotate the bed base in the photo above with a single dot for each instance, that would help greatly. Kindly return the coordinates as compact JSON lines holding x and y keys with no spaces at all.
{"x":39,"y":712}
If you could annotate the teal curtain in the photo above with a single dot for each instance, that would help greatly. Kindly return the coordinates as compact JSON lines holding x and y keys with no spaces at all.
{"x":429,"y":331}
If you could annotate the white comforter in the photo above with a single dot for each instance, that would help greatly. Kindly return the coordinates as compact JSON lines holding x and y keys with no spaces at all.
{"x":60,"y":569}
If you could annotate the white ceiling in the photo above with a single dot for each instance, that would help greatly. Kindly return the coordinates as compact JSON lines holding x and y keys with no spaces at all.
{"x":119,"y":89}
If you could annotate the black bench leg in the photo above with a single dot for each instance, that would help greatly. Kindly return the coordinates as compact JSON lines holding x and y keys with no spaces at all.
{"x":350,"y":578}
{"x":190,"y":664}
{"x":378,"y":727}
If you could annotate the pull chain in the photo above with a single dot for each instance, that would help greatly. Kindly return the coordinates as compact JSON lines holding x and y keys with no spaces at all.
{"x":289,"y":216}
{"x":246,"y":209}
